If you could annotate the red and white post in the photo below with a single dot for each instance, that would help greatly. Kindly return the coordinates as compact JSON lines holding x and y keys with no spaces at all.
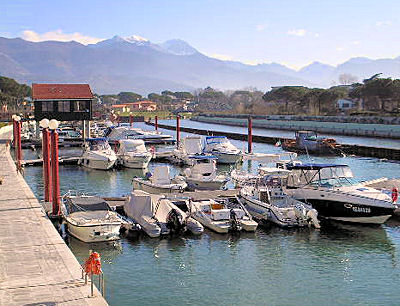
{"x":178,"y":130}
{"x":54,"y":173}
{"x":130,"y":120}
{"x":156,"y":123}
{"x":46,"y":164}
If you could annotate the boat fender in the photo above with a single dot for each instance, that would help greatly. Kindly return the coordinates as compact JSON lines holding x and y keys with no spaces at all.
{"x":395,"y":194}
{"x":312,"y":215}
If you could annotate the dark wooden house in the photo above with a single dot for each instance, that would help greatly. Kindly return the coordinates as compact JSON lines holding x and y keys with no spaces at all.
{"x":64,"y":102}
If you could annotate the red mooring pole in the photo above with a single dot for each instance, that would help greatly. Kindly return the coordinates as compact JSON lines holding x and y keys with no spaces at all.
{"x":250,"y":135}
{"x":54,"y":173}
{"x":156,"y":123}
{"x":130,"y":120}
{"x":15,"y":137}
{"x":46,"y":165}
{"x":178,"y":130}
{"x":19,"y":149}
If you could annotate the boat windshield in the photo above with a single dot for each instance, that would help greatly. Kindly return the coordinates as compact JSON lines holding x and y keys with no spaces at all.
{"x":99,"y":145}
{"x":328,"y":177}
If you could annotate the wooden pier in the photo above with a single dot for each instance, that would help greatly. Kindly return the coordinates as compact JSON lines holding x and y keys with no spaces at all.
{"x":384,"y":153}
{"x":36,"y":266}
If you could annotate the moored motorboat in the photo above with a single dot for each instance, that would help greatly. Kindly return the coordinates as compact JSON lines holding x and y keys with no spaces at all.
{"x":160,"y":182}
{"x":203,"y":174}
{"x":267,"y":201}
{"x":223,"y":149}
{"x":188,"y":147}
{"x":90,"y":218}
{"x":97,"y":154}
{"x":335,"y":194}
{"x":125,"y":132}
{"x":159,"y":216}
{"x":133,"y":154}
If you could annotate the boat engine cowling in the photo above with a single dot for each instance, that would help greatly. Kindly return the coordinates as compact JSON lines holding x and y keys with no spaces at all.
{"x":235,"y":224}
{"x":313,"y":219}
{"x":175,"y":222}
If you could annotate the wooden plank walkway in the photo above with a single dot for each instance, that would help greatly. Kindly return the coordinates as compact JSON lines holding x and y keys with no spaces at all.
{"x":36,"y":266}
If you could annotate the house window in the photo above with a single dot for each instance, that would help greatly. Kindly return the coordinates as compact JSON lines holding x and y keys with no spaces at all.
{"x":63,"y":107}
{"x":47,"y":106}
{"x":79,"y":106}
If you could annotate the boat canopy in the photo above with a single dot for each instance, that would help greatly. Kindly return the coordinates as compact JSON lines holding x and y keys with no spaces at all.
{"x":132,"y":145}
{"x":99,"y":139}
{"x":192,"y":145}
{"x":203,"y":157}
{"x":216,"y":139}
{"x":86,"y":203}
{"x":313,"y":166}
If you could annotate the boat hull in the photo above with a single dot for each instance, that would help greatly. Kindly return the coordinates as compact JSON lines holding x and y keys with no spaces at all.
{"x":221,"y":228}
{"x":97,"y":164}
{"x":352,"y":213}
{"x":94,"y":232}
{"x":137,"y":184}
{"x":137,"y":162}
{"x":204,"y":185}
{"x":226,"y":158}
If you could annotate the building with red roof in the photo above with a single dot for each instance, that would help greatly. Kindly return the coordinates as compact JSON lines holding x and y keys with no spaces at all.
{"x":64,"y":102}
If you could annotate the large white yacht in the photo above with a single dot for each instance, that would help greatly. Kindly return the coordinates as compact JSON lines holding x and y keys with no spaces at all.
{"x":333,"y":191}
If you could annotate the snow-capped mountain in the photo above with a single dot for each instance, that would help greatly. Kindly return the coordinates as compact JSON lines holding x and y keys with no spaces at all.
{"x":178,"y":47}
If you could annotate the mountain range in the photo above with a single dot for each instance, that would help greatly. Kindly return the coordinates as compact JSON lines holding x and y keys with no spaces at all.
{"x":136,"y":64}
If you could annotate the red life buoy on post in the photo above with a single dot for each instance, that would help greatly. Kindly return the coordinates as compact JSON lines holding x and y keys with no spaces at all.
{"x":395,"y":194}
{"x":93,"y":264}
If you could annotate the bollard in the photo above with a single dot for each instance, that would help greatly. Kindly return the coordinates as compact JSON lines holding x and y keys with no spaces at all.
{"x":156,"y":123}
{"x":130,"y":120}
{"x":54,"y":173}
{"x":178,"y":130}
{"x":250,"y":135}
{"x":46,"y":164}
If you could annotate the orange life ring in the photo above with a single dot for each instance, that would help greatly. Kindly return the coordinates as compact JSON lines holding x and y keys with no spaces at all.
{"x":93,"y":264}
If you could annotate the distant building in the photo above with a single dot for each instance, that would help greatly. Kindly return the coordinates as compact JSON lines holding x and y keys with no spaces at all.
{"x":135,"y":106}
{"x":344,"y":104}
{"x":64,"y":102}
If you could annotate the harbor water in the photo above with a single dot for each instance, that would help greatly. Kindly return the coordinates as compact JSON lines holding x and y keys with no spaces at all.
{"x":338,"y":264}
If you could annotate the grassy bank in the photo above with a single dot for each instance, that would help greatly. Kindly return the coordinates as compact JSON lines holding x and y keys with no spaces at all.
{"x":159,"y":114}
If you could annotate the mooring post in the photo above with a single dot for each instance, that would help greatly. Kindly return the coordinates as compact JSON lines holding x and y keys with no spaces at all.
{"x":178,"y":130}
{"x":250,"y":135}
{"x":156,"y":123}
{"x":14,"y":136}
{"x":130,"y":120}
{"x":46,"y":164}
{"x":54,"y":172}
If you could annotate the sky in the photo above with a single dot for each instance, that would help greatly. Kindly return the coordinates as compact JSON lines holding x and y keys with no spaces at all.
{"x":290,"y":32}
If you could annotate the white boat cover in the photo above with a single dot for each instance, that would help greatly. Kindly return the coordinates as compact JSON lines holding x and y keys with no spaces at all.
{"x":132,"y":145}
{"x":142,"y":207}
{"x":161,"y":176}
{"x":192,"y":145}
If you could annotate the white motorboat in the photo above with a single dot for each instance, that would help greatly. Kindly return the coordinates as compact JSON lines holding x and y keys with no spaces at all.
{"x":158,"y":216}
{"x":203,"y":174}
{"x":335,"y":194}
{"x":133,"y":154}
{"x":218,"y":217}
{"x":188,"y":147}
{"x":223,"y":149}
{"x":125,"y":132}
{"x":90,"y":218}
{"x":160,"y":182}
{"x":241,"y":177}
{"x":97,"y":154}
{"x":267,"y":201}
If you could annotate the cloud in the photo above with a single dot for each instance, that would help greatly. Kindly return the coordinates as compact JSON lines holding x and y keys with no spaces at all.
{"x":261,"y":27}
{"x":383,"y":23}
{"x":297,"y":32}
{"x":340,"y":48}
{"x":316,"y":35}
{"x":222,"y":57}
{"x":355,"y":42}
{"x":58,"y":35}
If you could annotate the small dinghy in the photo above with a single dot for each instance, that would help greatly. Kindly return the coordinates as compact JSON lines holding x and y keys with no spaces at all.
{"x":218,"y":217}
{"x":267,"y":201}
{"x":91,"y":219}
{"x":158,"y":216}
{"x":203,"y":175}
{"x":132,"y":153}
{"x":97,"y":154}
{"x":160,"y":182}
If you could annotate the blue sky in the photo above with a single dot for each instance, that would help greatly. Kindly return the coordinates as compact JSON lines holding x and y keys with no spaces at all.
{"x":290,"y":32}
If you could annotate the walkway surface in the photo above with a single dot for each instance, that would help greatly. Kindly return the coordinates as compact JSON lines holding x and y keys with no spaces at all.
{"x":36,"y":266}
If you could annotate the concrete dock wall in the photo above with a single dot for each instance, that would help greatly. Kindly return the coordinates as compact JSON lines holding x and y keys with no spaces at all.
{"x":335,"y":128}
{"x":36,"y":266}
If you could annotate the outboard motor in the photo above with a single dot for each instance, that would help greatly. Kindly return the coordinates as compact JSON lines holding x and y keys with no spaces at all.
{"x":175,"y":222}
{"x":235,"y":224}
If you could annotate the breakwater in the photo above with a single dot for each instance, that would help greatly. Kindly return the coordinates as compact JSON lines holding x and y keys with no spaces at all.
{"x":386,"y":153}
{"x":327,"y":127}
